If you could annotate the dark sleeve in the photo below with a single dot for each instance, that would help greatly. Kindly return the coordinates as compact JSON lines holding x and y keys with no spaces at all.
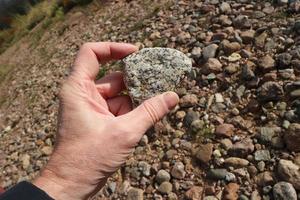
{"x":25,"y":191}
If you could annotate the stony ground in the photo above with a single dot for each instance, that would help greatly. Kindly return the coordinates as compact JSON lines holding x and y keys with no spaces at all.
{"x":236,"y":131}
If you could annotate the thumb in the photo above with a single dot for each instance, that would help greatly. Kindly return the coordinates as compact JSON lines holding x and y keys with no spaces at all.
{"x":151,"y":111}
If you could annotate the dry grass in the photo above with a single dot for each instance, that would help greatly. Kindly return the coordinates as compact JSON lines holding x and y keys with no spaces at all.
{"x":42,"y":15}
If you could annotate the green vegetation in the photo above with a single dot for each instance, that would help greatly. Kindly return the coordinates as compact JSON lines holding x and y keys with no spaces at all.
{"x":39,"y":17}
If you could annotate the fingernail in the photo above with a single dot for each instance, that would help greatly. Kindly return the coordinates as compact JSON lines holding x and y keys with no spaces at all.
{"x":171,"y":99}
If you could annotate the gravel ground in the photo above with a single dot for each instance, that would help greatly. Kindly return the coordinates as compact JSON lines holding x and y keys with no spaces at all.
{"x":235,"y":133}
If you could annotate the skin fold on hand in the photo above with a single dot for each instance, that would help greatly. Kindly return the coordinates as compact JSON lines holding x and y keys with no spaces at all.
{"x":97,"y":128}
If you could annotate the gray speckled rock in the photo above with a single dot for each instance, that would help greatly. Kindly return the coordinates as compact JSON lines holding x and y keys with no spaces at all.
{"x":284,"y":191}
{"x":152,"y":71}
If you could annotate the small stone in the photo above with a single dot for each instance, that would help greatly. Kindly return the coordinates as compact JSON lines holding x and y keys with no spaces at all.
{"x":242,"y":21}
{"x":172,"y":196}
{"x":162,"y":176}
{"x":226,"y":143}
{"x":219,"y":98}
{"x":266,"y":63}
{"x":152,"y":71}
{"x":246,"y":54}
{"x":255,"y":195}
{"x":230,"y":177}
{"x":217,"y":153}
{"x":284,"y":191}
{"x":267,"y":189}
{"x":282,"y":2}
{"x":295,"y":93}
{"x":47,"y":150}
{"x":204,"y":152}
{"x":178,"y":170}
{"x":124,"y":187}
{"x":264,"y":178}
{"x":266,"y":134}
{"x":135,"y":194}
{"x":225,"y":7}
{"x":188,"y":100}
{"x":196,"y":52}
{"x":194,"y":193}
{"x":261,"y":166}
{"x":284,"y":60}
{"x":144,"y":140}
{"x":144,"y":167}
{"x":292,"y":137}
{"x":262,"y":155}
{"x":231,"y":192}
{"x":197,"y":125}
{"x":212,"y":65}
{"x":210,"y":198}
{"x":234,"y":57}
{"x":112,"y":186}
{"x":217,"y":174}
{"x":236,"y":162}
{"x":190,"y":117}
{"x":242,"y":148}
{"x":270,"y":91}
{"x":25,"y":161}
{"x":225,"y":130}
{"x":243,"y":197}
{"x":290,"y":172}
{"x":248,"y":36}
{"x":165,"y":188}
{"x":230,"y":47}
{"x":209,"y":51}
{"x":260,"y":40}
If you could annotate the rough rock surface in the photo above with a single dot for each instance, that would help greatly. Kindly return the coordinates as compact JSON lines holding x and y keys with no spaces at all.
{"x":152,"y":71}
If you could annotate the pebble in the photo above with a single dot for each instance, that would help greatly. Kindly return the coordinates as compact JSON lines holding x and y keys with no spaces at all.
{"x":270,"y":91}
{"x":204,"y":153}
{"x":284,"y":190}
{"x":135,"y":194}
{"x":292,"y":137}
{"x":225,"y":7}
{"x":224,"y":130}
{"x":217,"y":174}
{"x":188,"y":100}
{"x":190,"y":117}
{"x":165,"y":188}
{"x":236,"y":162}
{"x":194,"y":193}
{"x":242,"y":148}
{"x":290,"y":172}
{"x":231,"y":192}
{"x":209,"y":51}
{"x":266,"y":63}
{"x":248,"y":36}
{"x":178,"y":170}
{"x":219,"y":98}
{"x":25,"y":159}
{"x":262,"y":155}
{"x":144,"y":167}
{"x":264,"y":178}
{"x":212,"y":65}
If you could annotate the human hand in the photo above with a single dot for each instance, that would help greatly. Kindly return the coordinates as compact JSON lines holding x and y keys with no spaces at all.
{"x":97,"y":130}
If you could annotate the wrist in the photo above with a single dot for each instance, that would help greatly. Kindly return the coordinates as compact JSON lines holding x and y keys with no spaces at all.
{"x":55,"y":186}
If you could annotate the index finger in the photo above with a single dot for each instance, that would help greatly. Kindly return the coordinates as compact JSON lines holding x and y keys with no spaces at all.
{"x":92,"y":54}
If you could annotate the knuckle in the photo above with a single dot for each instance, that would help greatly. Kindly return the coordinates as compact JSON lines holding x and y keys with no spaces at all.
{"x":151,"y":111}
